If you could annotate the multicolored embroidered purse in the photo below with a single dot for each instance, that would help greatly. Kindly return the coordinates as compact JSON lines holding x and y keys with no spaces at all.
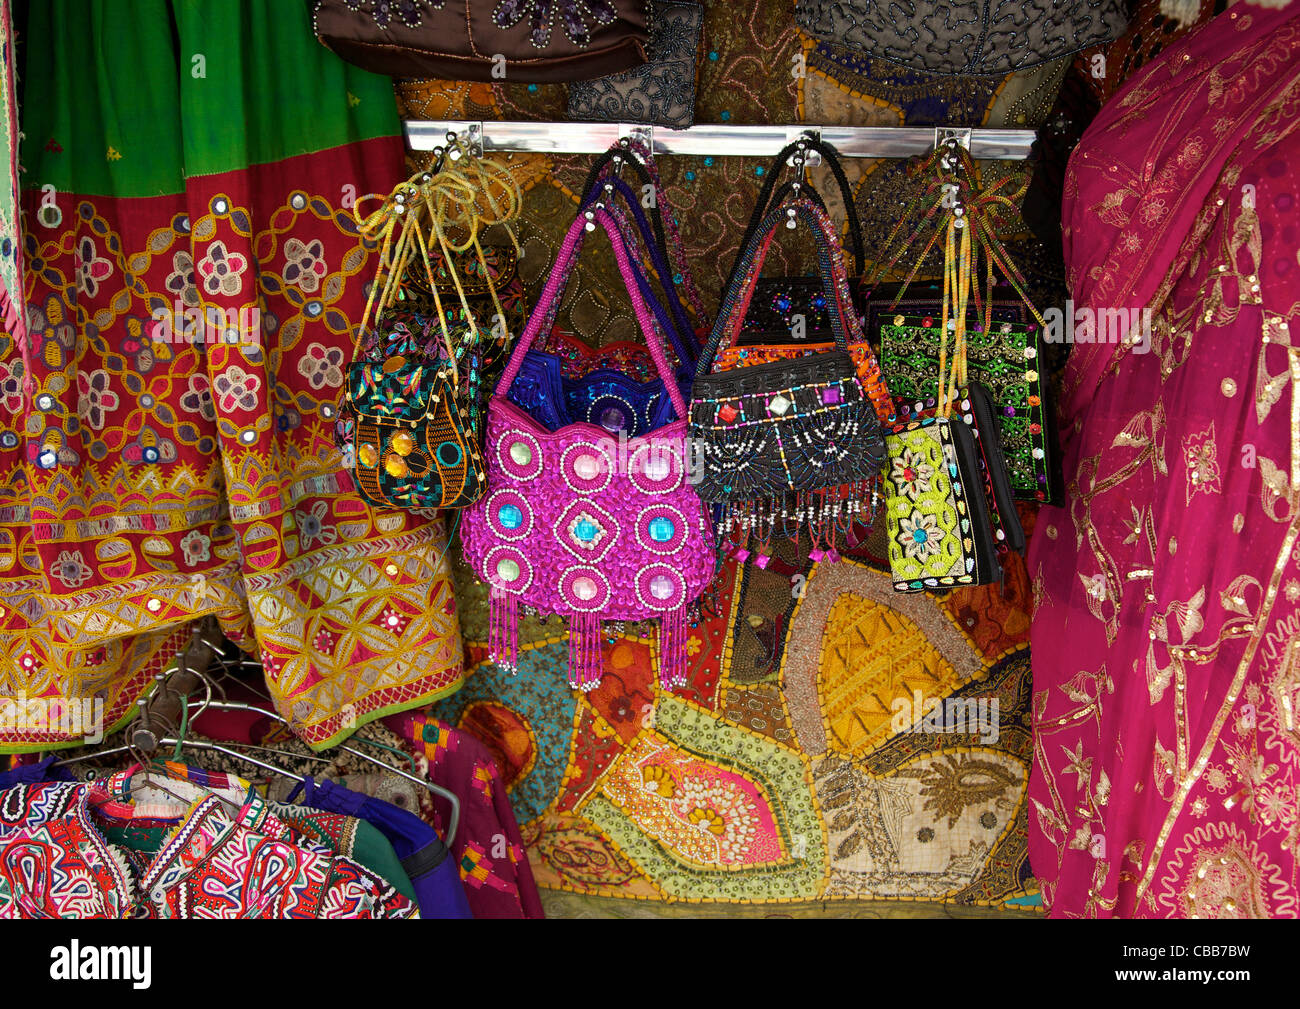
{"x":411,"y":431}
{"x":494,"y":296}
{"x":415,"y":437}
{"x":936,"y":516}
{"x":948,"y":506}
{"x":793,"y":442}
{"x":1005,"y":360}
{"x":582,"y":524}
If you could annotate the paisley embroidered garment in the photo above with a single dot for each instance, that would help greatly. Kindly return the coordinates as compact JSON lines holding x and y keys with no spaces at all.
{"x":1166,"y":635}
{"x":55,"y":861}
{"x":193,"y":277}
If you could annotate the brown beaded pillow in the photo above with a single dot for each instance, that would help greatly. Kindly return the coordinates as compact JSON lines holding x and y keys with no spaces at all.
{"x":545,"y":41}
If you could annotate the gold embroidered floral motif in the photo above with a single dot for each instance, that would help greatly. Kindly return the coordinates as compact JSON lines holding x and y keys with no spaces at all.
{"x":1202,"y":458}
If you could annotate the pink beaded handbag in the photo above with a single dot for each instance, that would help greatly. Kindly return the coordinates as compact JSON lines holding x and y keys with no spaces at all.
{"x":583,"y":524}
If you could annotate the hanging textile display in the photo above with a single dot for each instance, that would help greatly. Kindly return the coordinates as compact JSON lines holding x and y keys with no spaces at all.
{"x":11,"y":243}
{"x":193,"y":278}
{"x":1167,"y":727}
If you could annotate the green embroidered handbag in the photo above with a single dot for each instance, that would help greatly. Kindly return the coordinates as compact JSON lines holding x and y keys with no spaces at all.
{"x":1005,"y":360}
{"x":945,"y":466}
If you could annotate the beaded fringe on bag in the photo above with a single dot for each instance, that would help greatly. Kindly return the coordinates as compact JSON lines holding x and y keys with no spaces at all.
{"x":503,"y":629}
{"x":828,"y":515}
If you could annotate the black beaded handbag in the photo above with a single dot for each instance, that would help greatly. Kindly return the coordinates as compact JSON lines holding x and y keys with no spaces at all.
{"x":794,"y":309}
{"x":789,"y":444}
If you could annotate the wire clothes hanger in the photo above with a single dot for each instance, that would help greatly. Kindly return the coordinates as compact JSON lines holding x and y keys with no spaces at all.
{"x":178,"y":739}
{"x":228,"y":705}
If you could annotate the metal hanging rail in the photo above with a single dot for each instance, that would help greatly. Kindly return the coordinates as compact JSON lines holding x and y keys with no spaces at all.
{"x":716,"y":140}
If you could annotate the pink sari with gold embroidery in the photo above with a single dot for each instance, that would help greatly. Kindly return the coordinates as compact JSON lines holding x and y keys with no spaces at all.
{"x":1166,"y":639}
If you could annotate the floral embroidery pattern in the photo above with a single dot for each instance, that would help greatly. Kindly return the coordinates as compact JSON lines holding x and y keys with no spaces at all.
{"x":1202,"y":457}
{"x":573,"y":15}
{"x":912,"y":474}
{"x":197,"y":397}
{"x":919,"y":535}
{"x":306,"y":264}
{"x":222,"y":271}
{"x":53,"y":337}
{"x":321,"y":366}
{"x":195,"y":547}
{"x":95,"y":400}
{"x":11,"y":387}
{"x":71,"y":568}
{"x":722,"y":809}
{"x":382,"y":12}
{"x":236,"y":389}
{"x":92,"y":269}
{"x":311,"y":527}
{"x":146,"y":343}
{"x":181,"y":280}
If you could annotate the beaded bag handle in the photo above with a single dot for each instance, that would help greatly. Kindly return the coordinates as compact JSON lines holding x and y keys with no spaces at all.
{"x":554,"y":287}
{"x":442,"y":202}
{"x":643,"y":163}
{"x":741,"y":290}
{"x":677,"y":332}
{"x":767,"y":197}
{"x":611,"y":184}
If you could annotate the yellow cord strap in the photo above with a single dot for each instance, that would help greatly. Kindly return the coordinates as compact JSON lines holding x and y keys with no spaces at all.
{"x":445,"y":211}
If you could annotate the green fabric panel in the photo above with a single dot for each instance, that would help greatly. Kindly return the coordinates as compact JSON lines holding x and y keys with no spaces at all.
{"x":375,"y":852}
{"x":101,"y":75}
{"x":123,"y":74}
{"x":271,"y":91}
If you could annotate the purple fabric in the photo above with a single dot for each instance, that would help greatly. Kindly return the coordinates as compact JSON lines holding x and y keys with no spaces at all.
{"x":428,"y":863}
{"x":27,"y":774}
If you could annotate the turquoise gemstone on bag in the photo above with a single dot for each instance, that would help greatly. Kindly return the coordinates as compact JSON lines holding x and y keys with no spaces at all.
{"x":511,"y":517}
{"x":662,"y":529}
{"x":585,"y":531}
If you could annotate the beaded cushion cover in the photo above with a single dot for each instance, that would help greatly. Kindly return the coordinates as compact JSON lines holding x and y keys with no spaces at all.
{"x":578,"y":523}
{"x":974,"y":37}
{"x":482,"y":40}
{"x":663,"y":90}
{"x":1006,"y":361}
